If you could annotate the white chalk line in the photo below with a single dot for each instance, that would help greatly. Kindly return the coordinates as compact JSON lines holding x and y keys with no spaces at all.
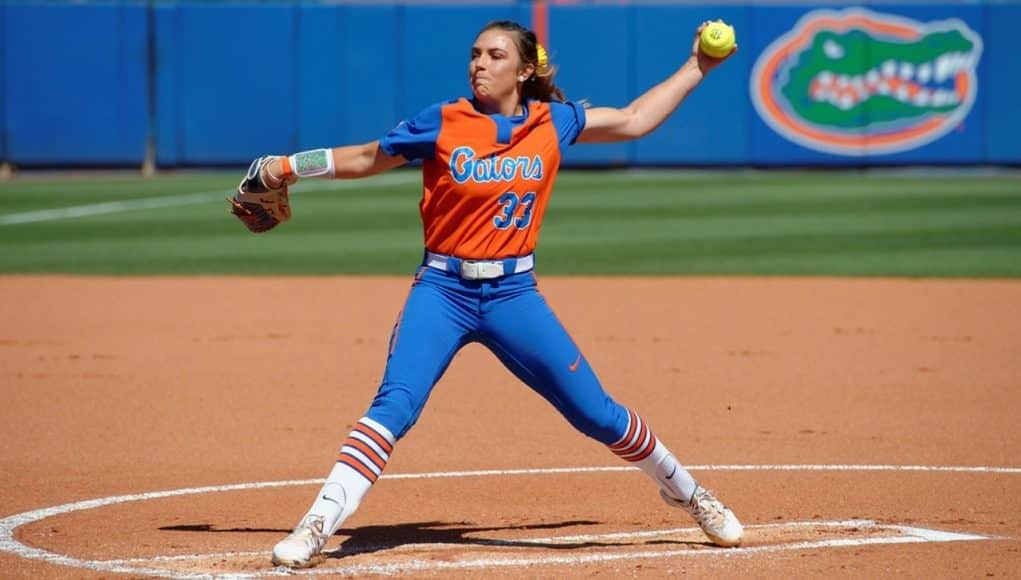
{"x":183,"y":199}
{"x":10,"y":524}
{"x":918,"y":535}
{"x":558,"y":540}
{"x":788,"y":467}
{"x":911,"y":535}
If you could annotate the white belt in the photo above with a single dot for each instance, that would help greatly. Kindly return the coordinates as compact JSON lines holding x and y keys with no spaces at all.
{"x":480,"y":269}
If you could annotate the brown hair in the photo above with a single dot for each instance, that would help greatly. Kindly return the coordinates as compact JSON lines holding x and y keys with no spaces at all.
{"x":540,"y":85}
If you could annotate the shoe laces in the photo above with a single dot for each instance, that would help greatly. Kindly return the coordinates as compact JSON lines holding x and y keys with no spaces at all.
{"x":704,"y":507}
{"x":310,"y":530}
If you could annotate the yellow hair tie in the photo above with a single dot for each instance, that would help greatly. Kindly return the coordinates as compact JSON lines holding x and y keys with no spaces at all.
{"x":542,"y":57}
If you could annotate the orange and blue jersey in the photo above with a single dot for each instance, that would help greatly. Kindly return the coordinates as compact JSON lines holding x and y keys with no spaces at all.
{"x":486,"y":179}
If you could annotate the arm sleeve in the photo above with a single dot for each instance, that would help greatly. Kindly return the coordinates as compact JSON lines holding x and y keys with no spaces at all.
{"x":569,"y":119}
{"x":415,"y":138}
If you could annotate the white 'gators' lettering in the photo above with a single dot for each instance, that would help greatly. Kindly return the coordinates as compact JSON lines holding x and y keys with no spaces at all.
{"x":465,"y":167}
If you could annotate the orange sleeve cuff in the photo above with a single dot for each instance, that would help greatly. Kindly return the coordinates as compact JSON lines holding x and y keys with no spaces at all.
{"x":285,"y":165}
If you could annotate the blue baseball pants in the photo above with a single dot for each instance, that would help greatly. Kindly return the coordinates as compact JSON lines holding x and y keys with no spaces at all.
{"x":510,"y":317}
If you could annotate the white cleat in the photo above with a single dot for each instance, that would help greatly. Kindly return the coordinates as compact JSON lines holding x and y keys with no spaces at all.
{"x":716,"y":520}
{"x":302,"y":548}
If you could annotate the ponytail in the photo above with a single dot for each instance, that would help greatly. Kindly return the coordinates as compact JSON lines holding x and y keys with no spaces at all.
{"x":541,"y":85}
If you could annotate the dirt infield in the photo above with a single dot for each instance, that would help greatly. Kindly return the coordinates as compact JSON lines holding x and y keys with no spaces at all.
{"x":800,"y":401}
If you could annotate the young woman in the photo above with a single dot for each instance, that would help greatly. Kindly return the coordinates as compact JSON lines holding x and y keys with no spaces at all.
{"x":489,"y":164}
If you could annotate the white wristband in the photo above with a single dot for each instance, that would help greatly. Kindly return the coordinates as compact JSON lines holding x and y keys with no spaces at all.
{"x":314,"y":163}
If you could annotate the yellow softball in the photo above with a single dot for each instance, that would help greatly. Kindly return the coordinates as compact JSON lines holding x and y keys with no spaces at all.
{"x":717,"y":39}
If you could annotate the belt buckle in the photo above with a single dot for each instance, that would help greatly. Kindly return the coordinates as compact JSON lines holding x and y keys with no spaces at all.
{"x":481,"y":269}
{"x":469,"y":270}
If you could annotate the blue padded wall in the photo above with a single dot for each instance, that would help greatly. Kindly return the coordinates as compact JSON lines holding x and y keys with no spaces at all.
{"x":3,"y":82}
{"x":75,"y":83}
{"x":709,"y":126}
{"x":227,"y":82}
{"x":591,"y":45}
{"x":347,"y":81}
{"x":1000,"y":88}
{"x":233,"y":80}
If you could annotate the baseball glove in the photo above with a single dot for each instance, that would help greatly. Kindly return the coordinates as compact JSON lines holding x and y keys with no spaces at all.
{"x":258,"y":206}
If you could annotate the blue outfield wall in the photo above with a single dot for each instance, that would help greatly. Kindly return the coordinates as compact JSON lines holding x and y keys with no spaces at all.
{"x":225,"y":82}
{"x":75,"y":83}
{"x":216,"y":83}
{"x":319,"y":75}
{"x":1002,"y":138}
{"x":3,"y":82}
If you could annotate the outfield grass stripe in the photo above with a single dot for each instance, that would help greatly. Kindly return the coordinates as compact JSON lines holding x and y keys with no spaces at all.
{"x":597,"y":189}
{"x":680,"y":229}
{"x":344,"y":229}
{"x":774,"y":207}
{"x":201,"y":197}
{"x":108,"y":207}
{"x":598,"y":223}
{"x":740,"y":198}
{"x":613,"y":186}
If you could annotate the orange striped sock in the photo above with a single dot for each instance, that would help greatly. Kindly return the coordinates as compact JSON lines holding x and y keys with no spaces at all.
{"x":362,"y":458}
{"x":367,"y":449}
{"x":638,"y":441}
{"x":640,"y":447}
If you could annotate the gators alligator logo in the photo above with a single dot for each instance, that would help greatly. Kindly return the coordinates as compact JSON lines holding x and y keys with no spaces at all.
{"x":857,"y":82}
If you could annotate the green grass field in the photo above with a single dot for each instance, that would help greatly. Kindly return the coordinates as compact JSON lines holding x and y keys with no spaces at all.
{"x":605,"y":222}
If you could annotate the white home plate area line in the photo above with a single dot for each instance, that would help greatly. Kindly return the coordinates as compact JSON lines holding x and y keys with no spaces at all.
{"x":912,"y":535}
{"x":922,"y":534}
{"x":150,"y":566}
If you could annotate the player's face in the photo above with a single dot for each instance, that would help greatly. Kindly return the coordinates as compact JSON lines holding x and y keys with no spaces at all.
{"x":495,"y":66}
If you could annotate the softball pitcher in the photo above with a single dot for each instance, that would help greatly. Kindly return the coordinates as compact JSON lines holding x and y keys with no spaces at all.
{"x":489,"y":164}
